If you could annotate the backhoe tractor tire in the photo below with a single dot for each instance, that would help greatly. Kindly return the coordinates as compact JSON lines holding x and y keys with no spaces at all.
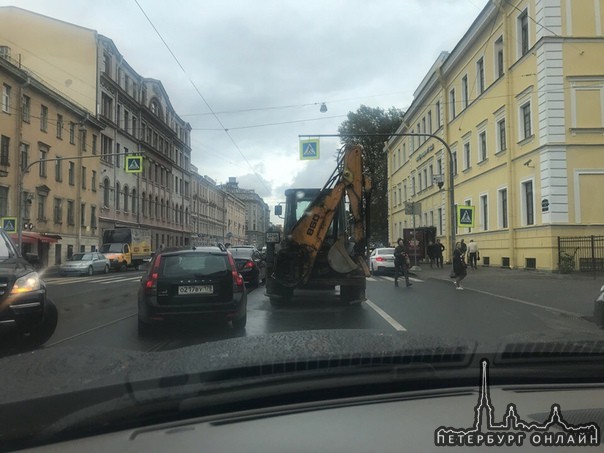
{"x":282,"y":294}
{"x":352,"y":295}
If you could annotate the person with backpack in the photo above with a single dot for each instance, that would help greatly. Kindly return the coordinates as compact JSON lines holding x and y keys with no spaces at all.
{"x":401,"y":262}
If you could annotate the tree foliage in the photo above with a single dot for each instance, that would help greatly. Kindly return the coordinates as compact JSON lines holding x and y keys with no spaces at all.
{"x":366,"y":121}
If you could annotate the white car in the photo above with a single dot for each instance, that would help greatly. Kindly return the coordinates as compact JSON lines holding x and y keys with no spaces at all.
{"x":381,"y":260}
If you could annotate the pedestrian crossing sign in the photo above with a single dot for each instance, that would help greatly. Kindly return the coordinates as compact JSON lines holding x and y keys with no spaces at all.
{"x":9,"y":224}
{"x":309,"y":149}
{"x":134,"y":164}
{"x":465,"y":216}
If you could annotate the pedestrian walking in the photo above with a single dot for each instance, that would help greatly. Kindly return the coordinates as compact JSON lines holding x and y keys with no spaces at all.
{"x":439,"y":249}
{"x":459,"y":266}
{"x":463,"y":247}
{"x":401,"y":262}
{"x":473,"y":254}
{"x":431,"y":254}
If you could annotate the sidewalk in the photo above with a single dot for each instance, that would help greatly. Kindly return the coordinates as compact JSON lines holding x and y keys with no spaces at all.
{"x":572,"y":293}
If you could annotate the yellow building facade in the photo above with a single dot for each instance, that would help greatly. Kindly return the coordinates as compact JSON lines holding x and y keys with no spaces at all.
{"x":520,"y":103}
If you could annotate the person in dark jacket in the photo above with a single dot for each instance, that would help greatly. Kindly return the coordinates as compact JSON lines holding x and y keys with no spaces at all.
{"x":401,"y":262}
{"x":459,"y":266}
{"x":439,"y":248}
{"x":431,"y":253}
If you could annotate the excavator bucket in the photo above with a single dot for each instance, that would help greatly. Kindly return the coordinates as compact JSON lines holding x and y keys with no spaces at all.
{"x":339,"y":259}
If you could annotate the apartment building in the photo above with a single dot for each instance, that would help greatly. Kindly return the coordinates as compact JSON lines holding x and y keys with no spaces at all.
{"x":208,"y":210}
{"x":256,"y":212}
{"x":47,"y":143}
{"x":137,"y":116}
{"x":520,"y":103}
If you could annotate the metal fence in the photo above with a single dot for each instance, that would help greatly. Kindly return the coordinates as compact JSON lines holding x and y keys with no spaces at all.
{"x":582,"y":253}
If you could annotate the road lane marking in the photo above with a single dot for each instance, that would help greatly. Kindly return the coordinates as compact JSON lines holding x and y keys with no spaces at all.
{"x":109,"y":282}
{"x":525,"y":302}
{"x":90,"y":330}
{"x":389,"y":319}
{"x":391,"y":279}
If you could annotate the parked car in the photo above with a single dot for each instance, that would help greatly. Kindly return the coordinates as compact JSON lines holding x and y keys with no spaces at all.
{"x":87,"y":263}
{"x":25,"y":309}
{"x":381,"y":260}
{"x":184,"y":283}
{"x":250,"y":264}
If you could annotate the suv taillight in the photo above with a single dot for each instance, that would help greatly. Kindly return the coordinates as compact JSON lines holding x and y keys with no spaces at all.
{"x":151,"y":282}
{"x":237,"y":278}
{"x":249,"y":264}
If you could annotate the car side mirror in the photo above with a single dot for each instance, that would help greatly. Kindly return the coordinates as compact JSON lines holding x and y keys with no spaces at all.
{"x":278,"y":209}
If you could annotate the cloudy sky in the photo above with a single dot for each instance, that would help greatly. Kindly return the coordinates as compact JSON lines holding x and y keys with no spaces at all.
{"x":265,"y":66}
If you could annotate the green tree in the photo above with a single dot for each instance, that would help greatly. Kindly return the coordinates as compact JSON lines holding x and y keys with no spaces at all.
{"x":369,"y":120}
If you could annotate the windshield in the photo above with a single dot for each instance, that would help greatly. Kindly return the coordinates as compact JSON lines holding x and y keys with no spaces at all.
{"x":165,"y":134}
{"x":81,"y":257}
{"x":112,"y":248}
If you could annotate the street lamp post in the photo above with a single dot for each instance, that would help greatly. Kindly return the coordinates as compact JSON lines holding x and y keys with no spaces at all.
{"x":451,"y":188}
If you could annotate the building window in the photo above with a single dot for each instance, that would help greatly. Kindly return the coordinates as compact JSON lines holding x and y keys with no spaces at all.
{"x":6,"y":90}
{"x":454,"y":154}
{"x":430,"y":122}
{"x":58,"y":211}
{"x":464,"y":91}
{"x":133,"y":197}
{"x":525,"y":118}
{"x":72,"y":133}
{"x":58,"y":170}
{"x":24,"y":160}
{"x":118,"y":193}
{"x":440,"y":221}
{"x":70,"y":214}
{"x":126,"y":193}
{"x":117,"y":155}
{"x":438,"y":119}
{"x":42,"y":164}
{"x":503,"y":208}
{"x":106,"y":148}
{"x":71,"y":174}
{"x":499,"y":64}
{"x":466,"y":156}
{"x":523,"y":33}
{"x":41,"y":207}
{"x":93,"y":181}
{"x":528,"y":203}
{"x":26,"y":108}
{"x":43,"y":118}
{"x":426,"y":182}
{"x":93,"y":217}
{"x":501,"y":141}
{"x":83,"y":214}
{"x":57,"y":254}
{"x":94,"y":143}
{"x":452,"y":103}
{"x":4,"y":149}
{"x":107,"y":106}
{"x":484,"y":212}
{"x":83,"y":177}
{"x":106,"y":192}
{"x":482,"y":146}
{"x":480,"y":75}
{"x":59,"y":126}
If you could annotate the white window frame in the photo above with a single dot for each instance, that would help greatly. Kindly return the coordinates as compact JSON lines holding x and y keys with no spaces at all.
{"x":500,"y":216}
{"x":482,"y":147}
{"x":523,"y":205}
{"x":6,"y":91}
{"x":498,"y":121}
{"x":481,"y":84}
{"x":467,"y":155}
{"x":465,"y":92}
{"x":498,"y":46}
{"x":521,"y":125}
{"x":481,"y":197}
{"x":452,"y":102}
{"x":519,"y":53}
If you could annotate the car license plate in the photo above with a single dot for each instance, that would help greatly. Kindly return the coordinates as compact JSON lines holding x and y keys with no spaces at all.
{"x":199,"y":289}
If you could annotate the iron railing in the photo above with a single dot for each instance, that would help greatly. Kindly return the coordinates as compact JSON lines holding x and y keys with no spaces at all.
{"x":581,"y":253}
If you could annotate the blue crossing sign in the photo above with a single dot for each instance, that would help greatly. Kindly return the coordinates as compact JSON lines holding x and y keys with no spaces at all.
{"x":309,"y":149}
{"x":465,"y":216}
{"x":134,"y":164}
{"x":9,"y":224}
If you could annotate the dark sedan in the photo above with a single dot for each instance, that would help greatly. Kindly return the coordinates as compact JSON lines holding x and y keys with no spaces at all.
{"x":192,"y":283}
{"x":250,"y":264}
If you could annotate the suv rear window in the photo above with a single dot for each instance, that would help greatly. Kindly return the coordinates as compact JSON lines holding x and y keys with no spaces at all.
{"x":193,"y":265}
{"x":385,"y":252}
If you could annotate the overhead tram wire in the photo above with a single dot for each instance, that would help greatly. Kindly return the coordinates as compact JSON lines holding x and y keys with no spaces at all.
{"x":201,"y":95}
